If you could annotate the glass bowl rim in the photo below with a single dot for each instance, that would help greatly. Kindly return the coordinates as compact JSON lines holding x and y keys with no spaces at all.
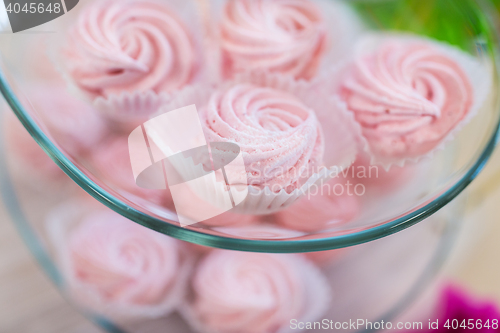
{"x":196,"y":237}
{"x":229,"y":243}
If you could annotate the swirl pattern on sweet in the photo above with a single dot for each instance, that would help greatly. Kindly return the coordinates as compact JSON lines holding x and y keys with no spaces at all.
{"x":253,"y":292}
{"x":407,"y":96}
{"x":123,"y":263}
{"x":285,"y":36}
{"x":130,"y":46}
{"x":279,"y":136}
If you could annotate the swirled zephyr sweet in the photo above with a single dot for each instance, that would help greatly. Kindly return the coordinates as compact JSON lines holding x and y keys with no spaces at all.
{"x":285,"y":36}
{"x":123,"y":268}
{"x":255,"y":292}
{"x":280,"y":137}
{"x":407,"y":95}
{"x":75,"y":125}
{"x":130,"y":46}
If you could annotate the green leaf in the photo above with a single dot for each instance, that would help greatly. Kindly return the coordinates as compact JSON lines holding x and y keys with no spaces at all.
{"x":457,"y":22}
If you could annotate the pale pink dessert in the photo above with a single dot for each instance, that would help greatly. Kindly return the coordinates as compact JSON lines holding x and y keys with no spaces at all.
{"x":111,"y":160}
{"x":378,"y":179}
{"x":237,"y":292}
{"x":29,"y":156}
{"x":279,"y":136}
{"x":130,"y":46}
{"x":284,"y":36}
{"x":325,"y":258}
{"x":73,"y":124}
{"x":331,"y":205}
{"x":229,"y":218}
{"x":407,"y":95}
{"x":122,"y":269}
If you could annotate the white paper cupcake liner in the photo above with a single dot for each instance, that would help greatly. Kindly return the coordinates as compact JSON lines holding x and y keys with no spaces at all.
{"x":318,"y":298}
{"x":477,"y":71}
{"x":338,"y":127}
{"x":59,"y":225}
{"x":263,"y":201}
{"x":129,"y":110}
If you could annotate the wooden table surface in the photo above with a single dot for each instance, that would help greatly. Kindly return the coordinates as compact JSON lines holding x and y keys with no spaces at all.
{"x":29,"y":302}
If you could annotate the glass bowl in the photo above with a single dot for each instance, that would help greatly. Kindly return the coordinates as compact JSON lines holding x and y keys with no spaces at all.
{"x":376,"y":281}
{"x":428,"y":186}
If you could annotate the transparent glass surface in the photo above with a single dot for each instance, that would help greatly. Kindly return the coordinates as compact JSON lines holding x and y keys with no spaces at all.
{"x":375,"y":281}
{"x":421,"y":190}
